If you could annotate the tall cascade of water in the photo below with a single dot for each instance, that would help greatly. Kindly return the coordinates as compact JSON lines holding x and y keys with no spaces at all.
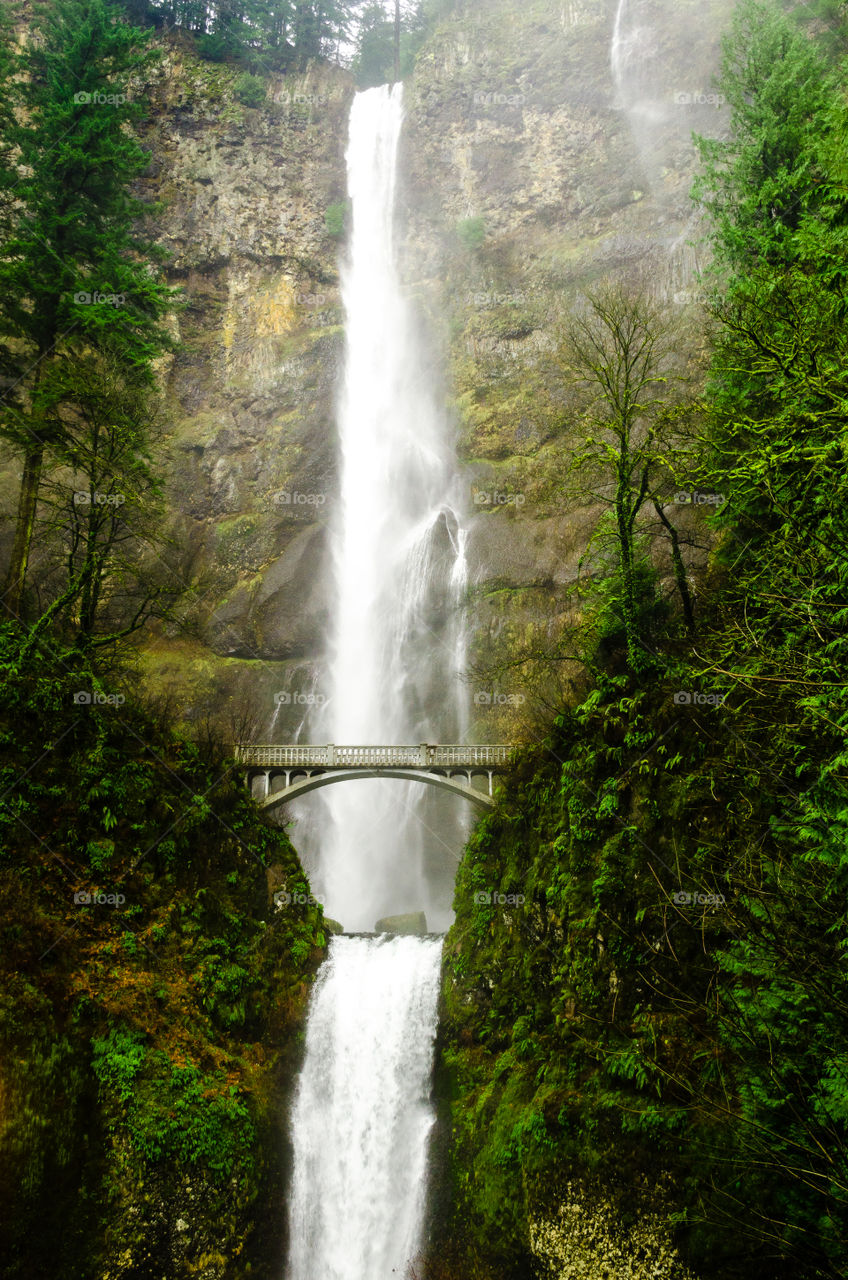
{"x":399,"y":559}
{"x":633,"y":52}
{"x":362,"y":1116}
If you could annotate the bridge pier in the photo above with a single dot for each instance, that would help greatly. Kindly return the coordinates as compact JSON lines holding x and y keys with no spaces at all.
{"x":264,"y":779}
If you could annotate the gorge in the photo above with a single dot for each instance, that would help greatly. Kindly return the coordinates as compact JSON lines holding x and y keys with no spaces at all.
{"x":475,"y":379}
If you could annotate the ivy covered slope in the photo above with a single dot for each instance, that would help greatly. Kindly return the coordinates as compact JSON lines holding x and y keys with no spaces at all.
{"x":644,"y":1010}
{"x":151,"y":994}
{"x":644,"y":1053}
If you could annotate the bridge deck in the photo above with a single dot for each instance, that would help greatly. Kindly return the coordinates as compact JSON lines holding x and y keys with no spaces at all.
{"x":423,"y":756}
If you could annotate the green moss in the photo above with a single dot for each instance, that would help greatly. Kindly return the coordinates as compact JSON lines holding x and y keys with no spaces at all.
{"x":249,"y":90}
{"x":471,"y":233}
{"x":142,"y":1058}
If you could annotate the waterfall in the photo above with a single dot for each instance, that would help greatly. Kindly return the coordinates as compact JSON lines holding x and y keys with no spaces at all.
{"x":399,"y":563}
{"x":362,"y":1116}
{"x":634,"y":62}
{"x":659,"y":97}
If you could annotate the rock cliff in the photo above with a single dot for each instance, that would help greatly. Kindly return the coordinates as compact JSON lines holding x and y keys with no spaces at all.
{"x":534,"y":165}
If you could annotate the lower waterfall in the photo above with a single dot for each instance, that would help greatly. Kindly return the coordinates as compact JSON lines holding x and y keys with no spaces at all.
{"x":362,"y":1114}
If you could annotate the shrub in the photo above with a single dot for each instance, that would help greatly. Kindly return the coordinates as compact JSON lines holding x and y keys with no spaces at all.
{"x":249,"y":90}
{"x":471,"y":232}
{"x":335,"y":220}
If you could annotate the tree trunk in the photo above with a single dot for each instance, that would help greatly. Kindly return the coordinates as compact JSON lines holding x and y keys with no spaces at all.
{"x":624,"y":525}
{"x":27,"y":504}
{"x":679,"y":568}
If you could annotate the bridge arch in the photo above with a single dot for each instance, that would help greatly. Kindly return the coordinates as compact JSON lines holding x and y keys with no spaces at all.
{"x":305,"y":767}
{"x":302,"y":785}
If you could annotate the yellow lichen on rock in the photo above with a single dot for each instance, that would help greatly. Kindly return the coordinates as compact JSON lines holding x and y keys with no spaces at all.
{"x":585,"y":1242}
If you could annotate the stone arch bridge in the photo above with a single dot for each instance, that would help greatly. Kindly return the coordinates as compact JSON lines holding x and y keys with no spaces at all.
{"x":278,"y":774}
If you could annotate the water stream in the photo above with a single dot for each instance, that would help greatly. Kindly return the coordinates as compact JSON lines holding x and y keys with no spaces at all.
{"x":398,"y":552}
{"x":362,"y":1116}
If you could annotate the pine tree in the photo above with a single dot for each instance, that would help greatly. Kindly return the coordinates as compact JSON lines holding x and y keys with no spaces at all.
{"x":776,"y":192}
{"x":754,"y":183}
{"x":75,"y":273}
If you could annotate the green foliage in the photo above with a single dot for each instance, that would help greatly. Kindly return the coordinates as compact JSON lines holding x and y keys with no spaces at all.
{"x":171,"y":1112}
{"x":335,"y":219}
{"x":755,"y":183}
{"x":250,"y":90}
{"x":471,"y":233}
{"x":267,"y":33}
{"x":168,"y":1014}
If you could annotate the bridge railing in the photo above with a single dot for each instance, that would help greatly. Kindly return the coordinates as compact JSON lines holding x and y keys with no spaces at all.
{"x":463,"y":754}
{"x":286,"y":756}
{"x":377,"y":756}
{"x":425,"y":755}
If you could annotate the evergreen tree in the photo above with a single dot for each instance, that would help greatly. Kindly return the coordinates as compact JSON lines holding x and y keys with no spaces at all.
{"x":75,"y":273}
{"x":387,"y":40}
{"x":104,"y":495}
{"x":754,"y":183}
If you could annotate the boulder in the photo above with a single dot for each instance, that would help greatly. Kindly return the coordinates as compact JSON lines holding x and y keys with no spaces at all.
{"x":413,"y":923}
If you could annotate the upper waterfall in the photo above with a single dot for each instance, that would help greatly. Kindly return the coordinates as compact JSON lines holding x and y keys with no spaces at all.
{"x":633,"y":58}
{"x":399,"y":562}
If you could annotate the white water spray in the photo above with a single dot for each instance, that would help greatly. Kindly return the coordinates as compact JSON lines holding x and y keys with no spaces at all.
{"x":633,"y":58}
{"x":399,"y":554}
{"x":362,"y":1115}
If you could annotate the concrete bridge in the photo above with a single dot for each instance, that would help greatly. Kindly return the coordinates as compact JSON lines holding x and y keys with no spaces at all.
{"x":277,"y":775}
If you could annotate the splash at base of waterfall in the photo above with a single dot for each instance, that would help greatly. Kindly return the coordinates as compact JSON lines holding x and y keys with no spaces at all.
{"x":362,"y":1115}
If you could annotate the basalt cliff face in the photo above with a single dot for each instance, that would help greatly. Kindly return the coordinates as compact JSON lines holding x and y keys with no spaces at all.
{"x":535,"y":163}
{"x":249,"y":397}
